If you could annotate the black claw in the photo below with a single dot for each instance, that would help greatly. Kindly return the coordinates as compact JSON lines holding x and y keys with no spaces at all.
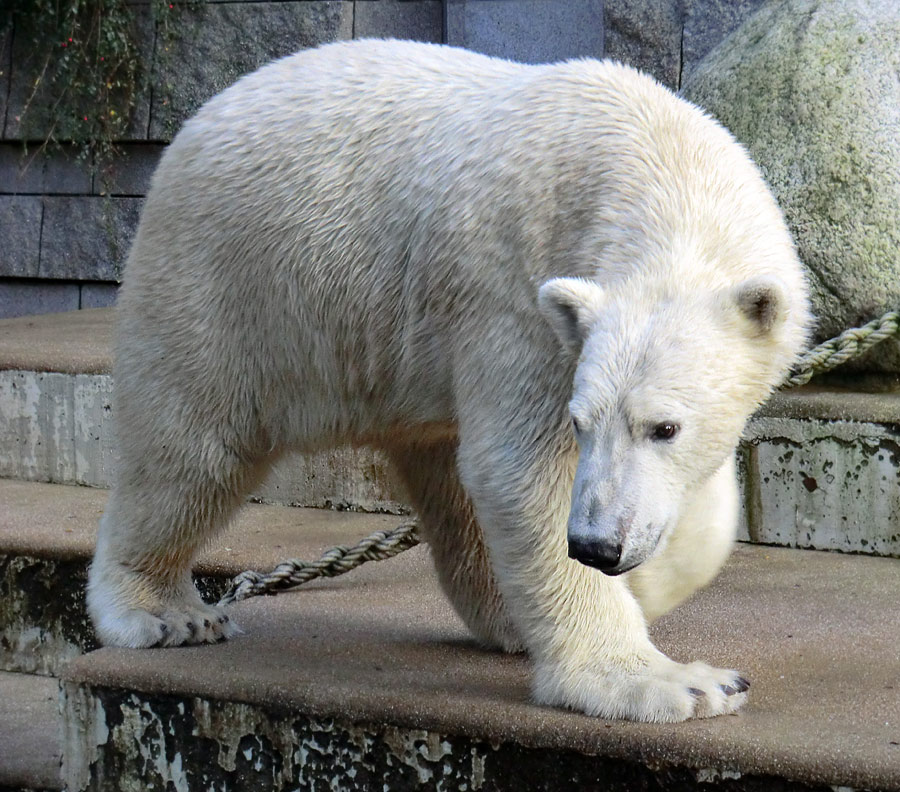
{"x":728,"y":690}
{"x":223,"y":619}
{"x":697,"y":693}
{"x":191,"y":627}
{"x":741,"y":684}
{"x":207,"y":623}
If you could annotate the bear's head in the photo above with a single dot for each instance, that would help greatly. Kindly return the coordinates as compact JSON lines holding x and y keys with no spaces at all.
{"x":662,"y":389}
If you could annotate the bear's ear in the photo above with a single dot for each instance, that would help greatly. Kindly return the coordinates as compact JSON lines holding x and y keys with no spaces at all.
{"x":571,"y":305}
{"x":763,"y":301}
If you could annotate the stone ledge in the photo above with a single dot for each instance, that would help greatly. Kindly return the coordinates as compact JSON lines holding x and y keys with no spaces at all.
{"x":78,"y":343}
{"x":831,"y":403}
{"x":58,"y":428}
{"x":379,"y":655}
{"x":74,"y":342}
{"x":47,"y":535}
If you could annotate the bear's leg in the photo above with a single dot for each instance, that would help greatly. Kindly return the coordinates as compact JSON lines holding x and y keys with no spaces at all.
{"x":585,"y":631}
{"x":696,"y":550}
{"x":457,"y":546}
{"x":168,"y":502}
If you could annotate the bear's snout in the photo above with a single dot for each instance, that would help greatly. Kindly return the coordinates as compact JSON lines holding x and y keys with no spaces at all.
{"x":596,"y":553}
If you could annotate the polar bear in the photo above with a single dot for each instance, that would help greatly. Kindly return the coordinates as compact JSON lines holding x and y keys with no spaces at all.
{"x":551,"y":294}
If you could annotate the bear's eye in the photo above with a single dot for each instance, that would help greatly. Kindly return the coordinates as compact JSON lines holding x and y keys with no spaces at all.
{"x":664,"y":431}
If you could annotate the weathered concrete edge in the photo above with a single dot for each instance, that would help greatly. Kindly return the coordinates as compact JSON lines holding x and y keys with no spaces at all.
{"x":821,"y":484}
{"x":814,"y":402}
{"x":153,"y":741}
{"x":58,"y":428}
{"x":43,"y":615}
{"x":71,"y":342}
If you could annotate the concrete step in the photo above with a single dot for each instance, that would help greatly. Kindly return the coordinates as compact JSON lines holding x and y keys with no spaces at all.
{"x":370,"y":681}
{"x":820,"y":466}
{"x":30,"y":733}
{"x":55,"y":411}
{"x":47,"y":537}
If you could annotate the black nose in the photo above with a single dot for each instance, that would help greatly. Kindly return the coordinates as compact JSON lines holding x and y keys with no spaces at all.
{"x":600,"y":555}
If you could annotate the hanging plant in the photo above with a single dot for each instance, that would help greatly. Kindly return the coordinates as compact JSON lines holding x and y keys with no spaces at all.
{"x":86,"y":69}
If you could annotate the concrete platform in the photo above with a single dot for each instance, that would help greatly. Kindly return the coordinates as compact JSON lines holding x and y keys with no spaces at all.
{"x":47,"y":535}
{"x":30,"y":733}
{"x":374,"y":676}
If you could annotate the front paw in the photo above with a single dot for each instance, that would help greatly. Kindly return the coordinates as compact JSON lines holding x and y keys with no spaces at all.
{"x":655,"y":690}
{"x":132,"y":611}
{"x":716,"y":691}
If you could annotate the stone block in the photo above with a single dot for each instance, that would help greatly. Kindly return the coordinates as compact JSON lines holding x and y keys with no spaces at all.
{"x":668,"y":38}
{"x":87,"y":238}
{"x":371,"y":682}
{"x":646,"y":35}
{"x":221,"y":41}
{"x":414,"y":20}
{"x":530,"y":31}
{"x":28,"y":64}
{"x":28,"y":297}
{"x":65,"y":174}
{"x":21,"y":172}
{"x":5,"y":69}
{"x":20,"y":230}
{"x":828,"y":485}
{"x":35,"y":172}
{"x":130,"y":172}
{"x":98,"y":295}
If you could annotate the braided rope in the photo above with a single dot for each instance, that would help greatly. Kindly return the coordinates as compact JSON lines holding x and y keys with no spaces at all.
{"x":850,"y":344}
{"x":333,"y":562}
{"x":385,"y":544}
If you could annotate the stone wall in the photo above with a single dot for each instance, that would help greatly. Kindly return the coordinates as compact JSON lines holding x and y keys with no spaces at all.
{"x":64,"y":231}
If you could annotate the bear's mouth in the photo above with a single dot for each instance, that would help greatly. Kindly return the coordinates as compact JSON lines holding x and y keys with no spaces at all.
{"x":620,"y":570}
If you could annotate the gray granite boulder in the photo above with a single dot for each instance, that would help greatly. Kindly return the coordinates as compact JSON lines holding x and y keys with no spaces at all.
{"x":812,"y":88}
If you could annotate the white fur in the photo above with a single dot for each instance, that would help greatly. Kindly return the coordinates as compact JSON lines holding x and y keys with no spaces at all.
{"x":350,"y":244}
